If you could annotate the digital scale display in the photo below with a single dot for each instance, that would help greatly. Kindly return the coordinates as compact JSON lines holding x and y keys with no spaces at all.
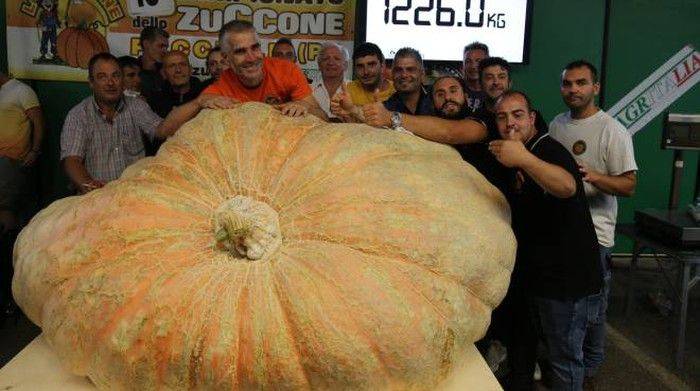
{"x":439,"y":29}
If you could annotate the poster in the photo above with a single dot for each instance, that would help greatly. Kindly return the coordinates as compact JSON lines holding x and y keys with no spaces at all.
{"x":53,"y":39}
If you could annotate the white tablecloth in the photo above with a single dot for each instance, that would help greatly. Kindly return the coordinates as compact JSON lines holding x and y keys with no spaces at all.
{"x":37,"y":368}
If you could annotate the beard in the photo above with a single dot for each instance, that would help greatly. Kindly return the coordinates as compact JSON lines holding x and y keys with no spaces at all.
{"x":463,"y":111}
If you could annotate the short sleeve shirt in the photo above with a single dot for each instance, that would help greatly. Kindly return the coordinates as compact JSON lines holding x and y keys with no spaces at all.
{"x":602,"y":143}
{"x":282,"y":82}
{"x":557,"y":247}
{"x":15,"y":133}
{"x":107,"y":148}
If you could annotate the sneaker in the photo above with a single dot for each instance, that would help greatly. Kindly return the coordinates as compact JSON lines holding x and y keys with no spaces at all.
{"x":495,"y":355}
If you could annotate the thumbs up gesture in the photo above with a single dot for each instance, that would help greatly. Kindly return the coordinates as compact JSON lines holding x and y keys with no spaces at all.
{"x":341,"y":104}
{"x":376,"y":114}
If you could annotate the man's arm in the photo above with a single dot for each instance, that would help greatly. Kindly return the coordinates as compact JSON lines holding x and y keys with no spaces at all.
{"x":37,"y":119}
{"x":189,"y":110}
{"x":79,"y":176}
{"x":554,"y":179}
{"x":314,"y":108}
{"x":618,"y":185}
{"x":464,"y":131}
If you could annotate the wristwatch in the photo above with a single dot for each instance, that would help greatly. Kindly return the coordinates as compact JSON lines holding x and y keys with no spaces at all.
{"x":395,"y":119}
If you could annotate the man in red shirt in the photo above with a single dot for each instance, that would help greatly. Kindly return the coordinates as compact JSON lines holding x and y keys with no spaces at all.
{"x":251,"y":78}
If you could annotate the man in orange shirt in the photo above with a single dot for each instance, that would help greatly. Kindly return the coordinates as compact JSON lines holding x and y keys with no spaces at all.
{"x":251,"y":78}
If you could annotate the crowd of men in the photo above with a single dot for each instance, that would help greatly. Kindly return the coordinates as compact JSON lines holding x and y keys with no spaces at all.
{"x":561,"y":179}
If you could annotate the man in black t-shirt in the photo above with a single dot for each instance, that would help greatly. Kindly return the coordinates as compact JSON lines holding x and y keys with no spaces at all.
{"x":450,"y":102}
{"x":178,"y":87}
{"x":557,"y":259}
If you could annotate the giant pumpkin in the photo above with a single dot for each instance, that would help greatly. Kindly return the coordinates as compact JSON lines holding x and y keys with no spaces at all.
{"x":261,"y":251}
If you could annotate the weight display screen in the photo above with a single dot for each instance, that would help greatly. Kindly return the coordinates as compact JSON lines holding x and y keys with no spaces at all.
{"x":440,"y":29}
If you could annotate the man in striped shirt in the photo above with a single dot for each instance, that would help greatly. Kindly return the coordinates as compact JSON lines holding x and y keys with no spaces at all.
{"x":103,"y":134}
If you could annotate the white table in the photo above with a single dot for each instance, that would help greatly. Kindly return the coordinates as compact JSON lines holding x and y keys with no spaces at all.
{"x":37,"y":368}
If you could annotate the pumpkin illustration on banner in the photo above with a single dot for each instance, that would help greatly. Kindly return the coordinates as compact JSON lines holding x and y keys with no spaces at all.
{"x":258,"y":251}
{"x":82,"y":39}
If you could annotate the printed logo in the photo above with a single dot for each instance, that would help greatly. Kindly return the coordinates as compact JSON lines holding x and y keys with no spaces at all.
{"x":579,"y":147}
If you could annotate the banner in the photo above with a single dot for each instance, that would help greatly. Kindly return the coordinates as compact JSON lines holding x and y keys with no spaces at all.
{"x":53,"y":39}
{"x":659,"y":90}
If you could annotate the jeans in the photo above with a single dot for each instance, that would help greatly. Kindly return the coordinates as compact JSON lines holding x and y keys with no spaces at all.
{"x":594,"y":343}
{"x":563,"y":325}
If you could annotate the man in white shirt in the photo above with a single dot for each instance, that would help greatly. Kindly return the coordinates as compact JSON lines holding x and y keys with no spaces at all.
{"x":332,"y":62}
{"x":603,"y":149}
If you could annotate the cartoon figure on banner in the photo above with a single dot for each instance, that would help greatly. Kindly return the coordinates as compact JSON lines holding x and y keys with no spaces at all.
{"x":84,"y":35}
{"x":48,"y":24}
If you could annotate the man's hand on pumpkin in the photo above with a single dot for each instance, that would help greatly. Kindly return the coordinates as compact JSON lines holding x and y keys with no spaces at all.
{"x":293,"y":109}
{"x":216,"y":102}
{"x":90,"y":185}
{"x":376,"y":115}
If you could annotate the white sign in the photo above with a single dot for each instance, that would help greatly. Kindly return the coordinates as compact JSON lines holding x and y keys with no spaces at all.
{"x":659,"y":90}
{"x":439,"y":29}
{"x":151,"y":7}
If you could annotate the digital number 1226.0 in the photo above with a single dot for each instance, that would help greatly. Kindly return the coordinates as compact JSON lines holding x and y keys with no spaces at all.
{"x":444,"y":16}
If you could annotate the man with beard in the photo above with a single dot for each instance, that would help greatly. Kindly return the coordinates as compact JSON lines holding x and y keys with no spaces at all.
{"x":252,"y":77}
{"x":473,"y":54}
{"x":450,"y":103}
{"x":557,"y":274}
{"x":370,"y":86}
{"x":332,"y":63}
{"x":102,"y":135}
{"x":604,"y":152}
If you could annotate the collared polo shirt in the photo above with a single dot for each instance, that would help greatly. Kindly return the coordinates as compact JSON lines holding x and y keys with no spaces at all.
{"x":107,"y":148}
{"x":424,"y":106}
{"x":558,"y":254}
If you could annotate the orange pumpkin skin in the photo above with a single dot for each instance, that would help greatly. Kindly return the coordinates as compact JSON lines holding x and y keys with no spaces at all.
{"x":393,"y":254}
{"x":76,"y":46}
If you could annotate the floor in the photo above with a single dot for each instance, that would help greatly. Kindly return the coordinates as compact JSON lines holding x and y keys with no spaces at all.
{"x":640,"y":349}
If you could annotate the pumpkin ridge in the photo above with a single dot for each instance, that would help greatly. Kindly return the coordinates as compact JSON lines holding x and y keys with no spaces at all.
{"x":288,"y":325}
{"x":154,"y":183}
{"x":337,"y":207}
{"x":307,"y":129}
{"x":193,"y":164}
{"x":300,"y":195}
{"x":310,"y":140}
{"x":359,"y":330}
{"x":418,"y":293}
{"x":396,"y":257}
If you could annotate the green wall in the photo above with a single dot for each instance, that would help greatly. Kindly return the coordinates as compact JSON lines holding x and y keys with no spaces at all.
{"x":643,"y":34}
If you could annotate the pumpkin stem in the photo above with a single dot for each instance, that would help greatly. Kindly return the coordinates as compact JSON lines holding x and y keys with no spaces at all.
{"x":247,"y":228}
